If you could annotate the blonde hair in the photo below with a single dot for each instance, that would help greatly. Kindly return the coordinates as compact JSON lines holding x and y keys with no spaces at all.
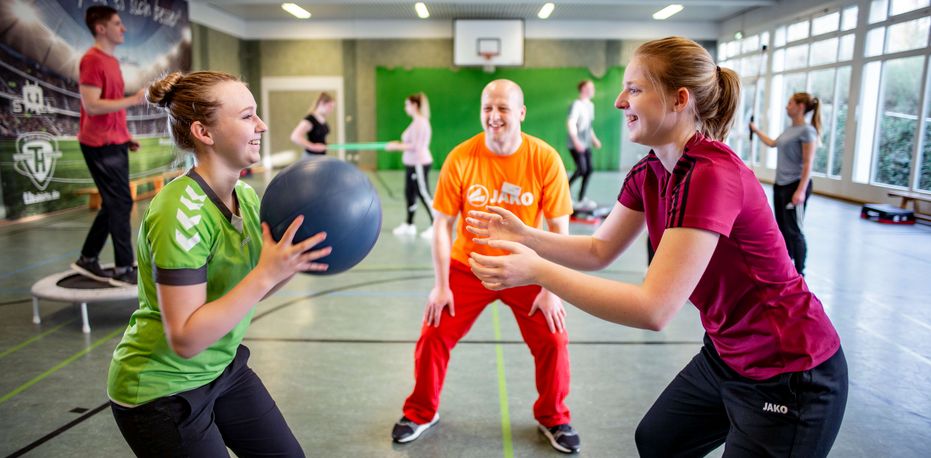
{"x":677,"y":62}
{"x":187,"y":98}
{"x":812,"y":104}
{"x":420,"y":101}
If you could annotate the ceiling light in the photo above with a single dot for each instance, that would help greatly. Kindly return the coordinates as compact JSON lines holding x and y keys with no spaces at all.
{"x":666,"y":12}
{"x":295,"y":10}
{"x":546,"y":11}
{"x":421,"y":10}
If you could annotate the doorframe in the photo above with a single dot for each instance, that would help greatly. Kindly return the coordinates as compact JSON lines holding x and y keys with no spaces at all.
{"x":332,"y":84}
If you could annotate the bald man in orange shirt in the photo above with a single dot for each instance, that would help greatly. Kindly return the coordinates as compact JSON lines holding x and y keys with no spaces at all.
{"x":504,"y":167}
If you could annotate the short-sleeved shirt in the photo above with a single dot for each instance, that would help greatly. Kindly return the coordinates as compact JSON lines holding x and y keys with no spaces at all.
{"x":531,"y":183}
{"x":102,"y":70}
{"x":317,"y":133}
{"x":755,"y":307}
{"x":582,"y":115}
{"x":789,"y":152}
{"x":188,"y":237}
{"x":417,"y":135}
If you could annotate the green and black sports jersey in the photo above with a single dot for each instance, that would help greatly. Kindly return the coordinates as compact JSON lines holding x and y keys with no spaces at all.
{"x":188,"y":237}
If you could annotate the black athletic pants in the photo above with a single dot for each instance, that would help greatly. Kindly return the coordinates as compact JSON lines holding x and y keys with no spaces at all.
{"x":796,"y":414}
{"x":234,"y":410}
{"x":417,"y":185}
{"x":583,"y":169}
{"x":109,"y":167}
{"x":790,"y":221}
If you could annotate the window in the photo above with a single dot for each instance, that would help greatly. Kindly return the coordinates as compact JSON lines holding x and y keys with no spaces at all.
{"x":845,"y":50}
{"x":823,"y":52}
{"x":874,"y":41}
{"x":797,"y":31}
{"x":849,"y":20}
{"x":740,"y":130}
{"x":890,"y":129}
{"x":841,"y":97}
{"x":779,"y":60}
{"x":745,"y":57}
{"x":796,"y":57}
{"x":779,"y":39}
{"x":898,"y":120}
{"x":924,"y":174}
{"x":904,"y":6}
{"x":825,"y":24}
{"x":821,"y":85}
{"x":869,"y":94}
{"x":908,"y":35}
{"x":878,"y":11}
{"x":750,"y":44}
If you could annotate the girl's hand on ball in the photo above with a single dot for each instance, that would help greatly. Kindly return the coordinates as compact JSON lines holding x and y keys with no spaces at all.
{"x":282,"y":259}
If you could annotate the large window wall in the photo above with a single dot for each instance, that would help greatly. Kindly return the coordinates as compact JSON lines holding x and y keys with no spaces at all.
{"x":874,"y":52}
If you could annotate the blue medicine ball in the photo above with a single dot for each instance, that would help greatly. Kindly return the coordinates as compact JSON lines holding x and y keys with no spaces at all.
{"x":334,"y":197}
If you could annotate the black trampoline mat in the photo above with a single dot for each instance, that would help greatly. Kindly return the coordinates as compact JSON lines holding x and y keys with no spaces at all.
{"x":78,"y":281}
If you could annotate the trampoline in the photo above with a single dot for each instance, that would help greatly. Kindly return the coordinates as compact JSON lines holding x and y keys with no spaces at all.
{"x":69,"y":286}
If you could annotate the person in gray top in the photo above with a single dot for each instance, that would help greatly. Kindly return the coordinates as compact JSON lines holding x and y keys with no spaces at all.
{"x":795,"y":155}
{"x":582,"y":137}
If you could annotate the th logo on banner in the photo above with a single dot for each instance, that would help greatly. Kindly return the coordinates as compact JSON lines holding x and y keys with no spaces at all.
{"x":35,"y":157}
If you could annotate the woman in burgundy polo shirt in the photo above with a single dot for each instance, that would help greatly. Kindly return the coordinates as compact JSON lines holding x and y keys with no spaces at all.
{"x":771,"y":378}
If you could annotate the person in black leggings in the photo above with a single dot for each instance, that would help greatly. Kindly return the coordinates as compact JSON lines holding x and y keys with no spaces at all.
{"x":582,"y":137}
{"x":415,"y":143}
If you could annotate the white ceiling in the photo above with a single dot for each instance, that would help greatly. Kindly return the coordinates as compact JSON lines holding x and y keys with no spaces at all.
{"x":572,"y":10}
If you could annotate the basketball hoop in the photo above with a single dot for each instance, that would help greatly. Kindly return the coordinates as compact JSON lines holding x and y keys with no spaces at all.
{"x":488,"y":56}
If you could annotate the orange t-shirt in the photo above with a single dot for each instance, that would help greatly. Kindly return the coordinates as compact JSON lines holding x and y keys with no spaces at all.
{"x":531,"y":183}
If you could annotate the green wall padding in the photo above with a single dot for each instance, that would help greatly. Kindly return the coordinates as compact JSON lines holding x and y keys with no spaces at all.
{"x":455,"y":97}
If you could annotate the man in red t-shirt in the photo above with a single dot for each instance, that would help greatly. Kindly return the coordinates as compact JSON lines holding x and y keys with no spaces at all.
{"x":105,"y":142}
{"x":501,"y":166}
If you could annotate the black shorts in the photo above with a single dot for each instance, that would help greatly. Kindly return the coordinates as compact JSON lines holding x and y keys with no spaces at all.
{"x":234,"y":411}
{"x":708,"y":403}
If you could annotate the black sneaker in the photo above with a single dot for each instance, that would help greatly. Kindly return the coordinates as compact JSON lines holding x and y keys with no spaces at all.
{"x":406,"y":430}
{"x":90,"y":268}
{"x":127,"y":278}
{"x":562,"y":437}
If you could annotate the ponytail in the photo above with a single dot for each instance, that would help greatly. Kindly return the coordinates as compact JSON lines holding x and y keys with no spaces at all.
{"x":677,"y":62}
{"x":720,"y":115}
{"x":423,"y":105}
{"x":816,"y":115}
{"x":324,"y":97}
{"x":812,"y":104}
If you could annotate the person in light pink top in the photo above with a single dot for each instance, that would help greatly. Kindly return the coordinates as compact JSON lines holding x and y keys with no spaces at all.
{"x":415,"y":144}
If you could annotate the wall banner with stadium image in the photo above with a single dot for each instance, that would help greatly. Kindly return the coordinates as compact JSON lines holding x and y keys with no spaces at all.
{"x":41,"y":165}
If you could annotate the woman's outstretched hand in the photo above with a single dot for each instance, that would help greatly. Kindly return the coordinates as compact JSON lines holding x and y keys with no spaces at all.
{"x":495,"y":224}
{"x":500,"y":272}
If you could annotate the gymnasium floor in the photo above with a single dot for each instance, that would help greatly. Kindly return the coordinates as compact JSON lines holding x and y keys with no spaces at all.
{"x":337,"y":352}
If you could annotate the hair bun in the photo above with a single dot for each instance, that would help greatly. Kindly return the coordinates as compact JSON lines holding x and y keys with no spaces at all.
{"x":160,"y":92}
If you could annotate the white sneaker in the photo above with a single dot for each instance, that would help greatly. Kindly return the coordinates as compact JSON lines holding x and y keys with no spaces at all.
{"x":405,"y":229}
{"x":427,"y":233}
{"x":588,"y":204}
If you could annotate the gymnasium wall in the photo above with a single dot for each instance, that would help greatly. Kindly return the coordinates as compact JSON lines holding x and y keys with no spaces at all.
{"x":455,"y":99}
{"x":357,"y":61}
{"x":215,"y":50}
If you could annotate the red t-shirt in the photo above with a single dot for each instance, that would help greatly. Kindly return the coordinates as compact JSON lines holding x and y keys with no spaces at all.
{"x":102,"y":70}
{"x":531,"y":183}
{"x":755,"y":307}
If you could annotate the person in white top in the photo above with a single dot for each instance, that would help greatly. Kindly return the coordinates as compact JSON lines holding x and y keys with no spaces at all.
{"x":582,"y":137}
{"x":415,"y":143}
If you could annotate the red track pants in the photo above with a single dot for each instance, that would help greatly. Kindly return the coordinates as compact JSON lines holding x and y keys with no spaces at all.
{"x":550,"y":350}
